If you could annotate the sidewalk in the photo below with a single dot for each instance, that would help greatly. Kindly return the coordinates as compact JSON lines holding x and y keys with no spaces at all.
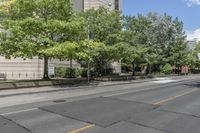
{"x":35,"y":90}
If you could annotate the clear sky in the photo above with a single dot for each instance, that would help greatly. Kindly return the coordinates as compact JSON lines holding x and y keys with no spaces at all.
{"x":187,"y":11}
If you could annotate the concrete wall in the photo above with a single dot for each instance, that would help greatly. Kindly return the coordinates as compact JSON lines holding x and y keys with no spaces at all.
{"x":117,"y":67}
{"x":78,"y":5}
{"x":20,"y":69}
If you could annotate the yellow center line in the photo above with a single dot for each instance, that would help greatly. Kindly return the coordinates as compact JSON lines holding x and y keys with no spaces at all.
{"x":173,"y":97}
{"x":82,"y":129}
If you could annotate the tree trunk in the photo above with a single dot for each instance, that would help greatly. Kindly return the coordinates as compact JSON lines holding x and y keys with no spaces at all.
{"x":71,"y":63}
{"x":46,"y":75}
{"x":88,"y":72}
{"x":150,"y":68}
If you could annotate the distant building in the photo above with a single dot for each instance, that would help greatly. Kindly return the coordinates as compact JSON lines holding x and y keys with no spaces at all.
{"x":192,"y":44}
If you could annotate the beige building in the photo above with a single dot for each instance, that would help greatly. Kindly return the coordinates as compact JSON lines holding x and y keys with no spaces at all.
{"x":82,"y":5}
{"x":111,"y":4}
{"x":19,"y":68}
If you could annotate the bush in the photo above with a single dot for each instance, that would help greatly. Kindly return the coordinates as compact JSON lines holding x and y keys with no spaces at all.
{"x":166,"y":69}
{"x":63,"y":72}
{"x":60,"y":72}
{"x":84,"y":71}
{"x":70,"y":73}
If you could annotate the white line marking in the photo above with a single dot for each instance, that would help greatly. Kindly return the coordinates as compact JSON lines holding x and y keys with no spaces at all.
{"x":21,"y":111}
{"x":130,"y":91}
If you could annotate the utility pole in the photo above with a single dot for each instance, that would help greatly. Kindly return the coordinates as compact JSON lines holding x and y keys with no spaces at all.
{"x":88,"y":63}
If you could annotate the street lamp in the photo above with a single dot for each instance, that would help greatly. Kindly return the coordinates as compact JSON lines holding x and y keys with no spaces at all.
{"x":109,"y":4}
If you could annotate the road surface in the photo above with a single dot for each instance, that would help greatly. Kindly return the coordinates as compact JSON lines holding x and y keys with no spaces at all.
{"x":160,"y":106}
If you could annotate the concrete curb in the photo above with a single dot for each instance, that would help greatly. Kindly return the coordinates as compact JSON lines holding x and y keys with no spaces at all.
{"x":68,"y":82}
{"x":72,"y":88}
{"x":37,"y":83}
{"x":86,"y":86}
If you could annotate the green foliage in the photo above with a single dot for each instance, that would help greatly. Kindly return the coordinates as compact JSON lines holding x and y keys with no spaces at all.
{"x":88,"y":49}
{"x":64,"y":72}
{"x":33,"y":26}
{"x":84,"y":50}
{"x":166,"y":69}
{"x":84,"y":71}
{"x":71,"y":73}
{"x":60,"y":72}
{"x":103,"y":25}
{"x":162,"y":37}
{"x":49,"y":28}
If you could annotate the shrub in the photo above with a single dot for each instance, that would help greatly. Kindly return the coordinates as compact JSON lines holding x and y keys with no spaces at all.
{"x":70,"y":73}
{"x":84,"y":71}
{"x":166,"y":69}
{"x":60,"y":72}
{"x":64,"y":72}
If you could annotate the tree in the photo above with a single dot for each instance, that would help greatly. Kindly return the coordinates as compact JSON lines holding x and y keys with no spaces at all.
{"x":65,"y":50}
{"x":128,"y":54}
{"x":135,"y":34}
{"x":160,"y":35}
{"x":35,"y":25}
{"x":103,"y":26}
{"x":194,"y":61}
{"x":5,"y":5}
{"x":85,"y":50}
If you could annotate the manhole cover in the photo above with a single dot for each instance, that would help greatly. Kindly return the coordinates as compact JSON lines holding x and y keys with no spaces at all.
{"x":59,"y":101}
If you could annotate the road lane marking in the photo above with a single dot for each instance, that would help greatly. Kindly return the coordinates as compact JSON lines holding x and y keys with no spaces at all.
{"x":130,"y":91}
{"x":174,"y":97}
{"x":82,"y":129}
{"x":152,"y":87}
{"x":21,"y":111}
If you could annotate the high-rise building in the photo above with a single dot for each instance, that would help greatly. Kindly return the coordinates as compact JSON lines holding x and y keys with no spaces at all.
{"x":82,"y":5}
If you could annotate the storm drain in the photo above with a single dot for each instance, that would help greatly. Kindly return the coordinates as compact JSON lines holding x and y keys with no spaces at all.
{"x":59,"y":101}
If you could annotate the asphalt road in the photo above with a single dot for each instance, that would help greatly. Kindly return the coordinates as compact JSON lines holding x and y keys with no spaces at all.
{"x":170,"y":107}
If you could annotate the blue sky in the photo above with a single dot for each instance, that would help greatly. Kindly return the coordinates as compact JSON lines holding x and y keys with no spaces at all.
{"x":186,"y":10}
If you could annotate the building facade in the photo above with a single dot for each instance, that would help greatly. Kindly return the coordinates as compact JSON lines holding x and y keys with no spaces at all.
{"x":22,"y":69}
{"x":83,"y":5}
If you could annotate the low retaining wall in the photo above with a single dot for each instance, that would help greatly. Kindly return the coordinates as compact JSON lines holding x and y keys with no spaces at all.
{"x":125,"y":78}
{"x":40,"y":83}
{"x":68,"y":82}
{"x":122,"y":78}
